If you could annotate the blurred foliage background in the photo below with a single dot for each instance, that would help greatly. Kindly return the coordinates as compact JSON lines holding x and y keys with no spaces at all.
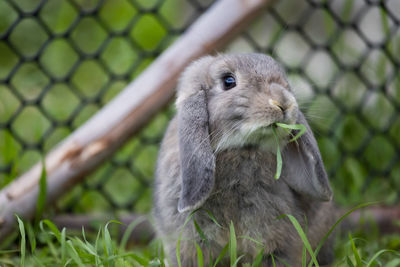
{"x":62,"y":60}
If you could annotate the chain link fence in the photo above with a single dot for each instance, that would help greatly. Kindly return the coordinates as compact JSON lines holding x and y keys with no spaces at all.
{"x":61,"y":61}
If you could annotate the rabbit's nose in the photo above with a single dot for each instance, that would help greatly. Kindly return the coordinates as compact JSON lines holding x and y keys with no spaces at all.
{"x":275,"y":103}
{"x":281,"y":97}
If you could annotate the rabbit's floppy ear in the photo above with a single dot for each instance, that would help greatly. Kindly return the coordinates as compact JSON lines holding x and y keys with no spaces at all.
{"x":197,"y":160}
{"x":306,"y":173}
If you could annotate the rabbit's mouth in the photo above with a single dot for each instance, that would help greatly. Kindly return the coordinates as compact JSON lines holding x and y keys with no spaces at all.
{"x":261,"y":137}
{"x":252,"y":135}
{"x":264,"y":137}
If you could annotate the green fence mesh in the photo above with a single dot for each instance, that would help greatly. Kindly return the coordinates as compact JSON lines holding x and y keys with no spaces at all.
{"x":61,"y":61}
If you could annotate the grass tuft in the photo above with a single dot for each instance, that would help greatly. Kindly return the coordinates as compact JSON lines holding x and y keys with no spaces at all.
{"x":304,"y":239}
{"x":200,"y":262}
{"x":58,"y":248}
{"x":232,"y":244}
{"x":41,"y":201}
{"x":23,"y":241}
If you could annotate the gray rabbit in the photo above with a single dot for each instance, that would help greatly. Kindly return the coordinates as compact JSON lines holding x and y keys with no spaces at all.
{"x":219,"y":154}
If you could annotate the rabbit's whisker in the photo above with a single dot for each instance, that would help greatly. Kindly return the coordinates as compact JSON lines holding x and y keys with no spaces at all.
{"x":226,"y":136}
{"x":214,"y":134}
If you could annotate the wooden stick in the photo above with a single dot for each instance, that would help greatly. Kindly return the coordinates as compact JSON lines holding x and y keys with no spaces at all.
{"x":382,"y":217}
{"x":109,"y":129}
{"x":385,"y":218}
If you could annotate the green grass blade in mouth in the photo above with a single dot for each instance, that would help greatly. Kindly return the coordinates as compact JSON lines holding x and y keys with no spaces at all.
{"x":278,"y":156}
{"x":300,"y":127}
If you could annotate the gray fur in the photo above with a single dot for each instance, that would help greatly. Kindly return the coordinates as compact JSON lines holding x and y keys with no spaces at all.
{"x":218,"y":153}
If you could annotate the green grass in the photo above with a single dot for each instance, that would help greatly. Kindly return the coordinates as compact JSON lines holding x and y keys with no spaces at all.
{"x":58,"y":248}
{"x":48,"y":246}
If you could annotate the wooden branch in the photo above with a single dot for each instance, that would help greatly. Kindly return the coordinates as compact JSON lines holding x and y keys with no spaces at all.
{"x":384,"y":218}
{"x":104,"y":133}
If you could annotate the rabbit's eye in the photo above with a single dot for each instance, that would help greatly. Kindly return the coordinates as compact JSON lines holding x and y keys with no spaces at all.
{"x":229,"y":82}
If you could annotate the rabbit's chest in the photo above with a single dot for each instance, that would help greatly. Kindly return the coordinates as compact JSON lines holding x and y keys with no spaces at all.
{"x":247,"y":194}
{"x":242,"y":174}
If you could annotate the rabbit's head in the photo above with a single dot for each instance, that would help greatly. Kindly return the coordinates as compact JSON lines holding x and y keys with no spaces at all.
{"x":232,"y":101}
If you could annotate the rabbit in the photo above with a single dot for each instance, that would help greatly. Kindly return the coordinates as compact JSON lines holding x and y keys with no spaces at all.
{"x":217,"y":163}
